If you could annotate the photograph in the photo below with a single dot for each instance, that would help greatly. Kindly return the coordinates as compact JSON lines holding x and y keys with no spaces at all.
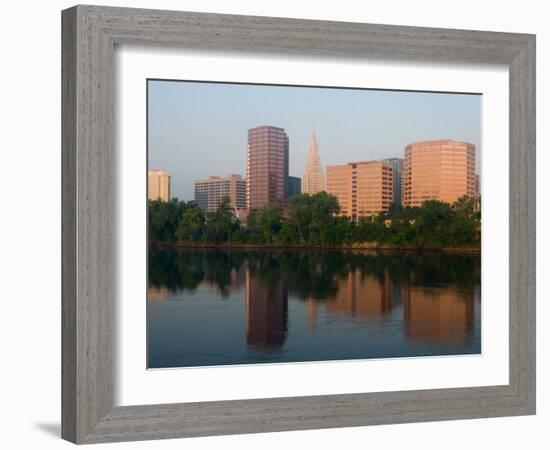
{"x":261,"y":225}
{"x":294,"y":224}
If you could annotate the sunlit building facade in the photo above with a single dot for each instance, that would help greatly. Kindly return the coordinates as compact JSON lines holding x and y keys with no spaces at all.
{"x":212,"y":190}
{"x":313,"y":179}
{"x":158,"y":185}
{"x":267,"y":167}
{"x":442,"y":170}
{"x":363,"y":189}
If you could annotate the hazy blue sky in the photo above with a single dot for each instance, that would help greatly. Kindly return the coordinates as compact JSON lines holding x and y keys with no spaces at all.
{"x":200,"y":129}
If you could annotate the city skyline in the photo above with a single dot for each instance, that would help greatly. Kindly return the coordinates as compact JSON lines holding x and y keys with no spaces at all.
{"x":184,"y":116}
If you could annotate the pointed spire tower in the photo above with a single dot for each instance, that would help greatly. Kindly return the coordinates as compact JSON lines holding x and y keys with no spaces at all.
{"x":313,"y":180}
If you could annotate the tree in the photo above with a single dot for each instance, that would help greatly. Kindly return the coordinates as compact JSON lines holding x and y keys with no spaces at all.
{"x":465,"y":208}
{"x":466,"y":221}
{"x":433,"y":222}
{"x":269,"y":219}
{"x":253,"y":232}
{"x":462,"y":231}
{"x":299,"y":212}
{"x":401,"y":232}
{"x":163,"y":219}
{"x":313,"y":220}
{"x":370,"y":230}
{"x":337,"y":231}
{"x":310,"y":213}
{"x":191,"y":225}
{"x":220,"y":223}
{"x":395,"y":209}
{"x":288,"y":233}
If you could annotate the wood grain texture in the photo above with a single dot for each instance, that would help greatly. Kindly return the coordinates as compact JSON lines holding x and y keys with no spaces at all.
{"x":523,"y":224}
{"x":88,"y":209}
{"x":68,"y":225}
{"x":89,"y":36}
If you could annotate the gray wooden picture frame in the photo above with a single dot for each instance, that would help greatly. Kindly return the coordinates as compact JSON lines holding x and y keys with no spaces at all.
{"x":90,"y":34}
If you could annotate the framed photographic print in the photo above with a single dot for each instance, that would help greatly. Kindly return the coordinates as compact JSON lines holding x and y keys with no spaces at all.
{"x":278,"y":224}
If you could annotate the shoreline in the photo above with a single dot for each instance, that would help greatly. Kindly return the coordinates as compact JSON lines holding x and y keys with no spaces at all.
{"x":365,"y":246}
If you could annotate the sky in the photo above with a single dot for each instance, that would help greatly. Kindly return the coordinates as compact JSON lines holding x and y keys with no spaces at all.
{"x":198,"y":129}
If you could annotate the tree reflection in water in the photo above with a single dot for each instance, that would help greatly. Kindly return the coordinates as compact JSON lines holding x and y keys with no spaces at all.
{"x":434,"y":290}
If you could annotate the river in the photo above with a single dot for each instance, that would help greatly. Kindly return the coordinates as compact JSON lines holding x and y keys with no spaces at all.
{"x":209,"y":307}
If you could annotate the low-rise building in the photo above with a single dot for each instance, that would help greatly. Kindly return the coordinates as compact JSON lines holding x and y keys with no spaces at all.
{"x":210,"y":191}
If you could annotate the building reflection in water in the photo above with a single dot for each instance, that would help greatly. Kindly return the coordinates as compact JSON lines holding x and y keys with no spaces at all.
{"x":437,"y":315}
{"x":236,"y":279}
{"x":443,"y":315}
{"x":266,"y":311}
{"x":157,"y":293}
{"x":342,"y":305}
{"x":362,"y":295}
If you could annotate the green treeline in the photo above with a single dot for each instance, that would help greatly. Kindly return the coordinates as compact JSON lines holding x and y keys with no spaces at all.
{"x":312,"y":220}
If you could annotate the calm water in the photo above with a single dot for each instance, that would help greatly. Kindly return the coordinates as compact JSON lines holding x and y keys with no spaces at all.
{"x":213,"y":307}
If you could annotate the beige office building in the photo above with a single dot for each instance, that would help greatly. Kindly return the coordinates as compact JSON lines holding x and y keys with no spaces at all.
{"x":363,"y":189}
{"x":313,"y":178}
{"x":212,"y":190}
{"x":438,"y":170}
{"x":158,"y":185}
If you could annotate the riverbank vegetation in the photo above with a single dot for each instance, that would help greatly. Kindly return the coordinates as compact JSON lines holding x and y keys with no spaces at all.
{"x":312,"y":220}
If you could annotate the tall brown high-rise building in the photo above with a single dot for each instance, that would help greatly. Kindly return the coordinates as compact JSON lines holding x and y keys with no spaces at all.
{"x":267,"y":167}
{"x":438,"y":170}
{"x":363,"y":189}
